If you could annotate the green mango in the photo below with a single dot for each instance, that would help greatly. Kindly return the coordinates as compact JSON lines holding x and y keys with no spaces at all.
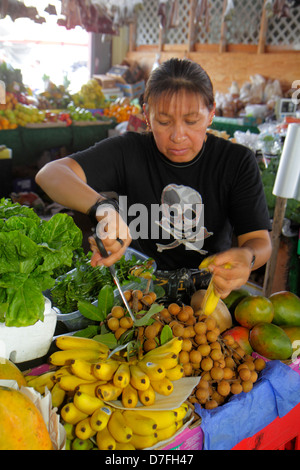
{"x":270,"y":341}
{"x":234,"y":298}
{"x":286,"y":308}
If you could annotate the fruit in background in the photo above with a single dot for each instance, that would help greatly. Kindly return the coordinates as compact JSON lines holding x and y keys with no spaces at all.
{"x":234,"y":298}
{"x":254,"y":309}
{"x":286,"y":308}
{"x":293,"y":333}
{"x":270,"y":341}
{"x":241,"y":335}
{"x":22,"y":425}
{"x":9,"y":371}
{"x":90,"y":96}
{"x":78,"y":113}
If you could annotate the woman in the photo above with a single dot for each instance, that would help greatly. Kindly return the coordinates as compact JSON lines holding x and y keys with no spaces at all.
{"x":186,"y":192}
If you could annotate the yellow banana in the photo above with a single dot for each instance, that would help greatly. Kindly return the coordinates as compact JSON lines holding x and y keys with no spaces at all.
{"x":140,"y":424}
{"x":108,"y":391}
{"x":181,"y":411}
{"x":64,"y":370}
{"x":124,"y":446}
{"x":40,"y":382}
{"x":70,"y":431}
{"x":175,"y":373}
{"x":104,"y":440}
{"x":89,"y":387}
{"x":163,"y":387}
{"x":70,"y":382}
{"x":70,"y":414}
{"x":147,"y":397}
{"x":129,"y":396}
{"x":153,"y":370}
{"x":80,"y":444}
{"x":167,"y":432}
{"x":82,"y":369}
{"x":86,"y":403}
{"x":66,"y":342}
{"x":105,"y":370}
{"x":163,"y":418}
{"x":138,"y":379}
{"x":167,"y":360}
{"x":118,"y":427}
{"x":211,"y":298}
{"x":142,"y":442}
{"x":174,"y":345}
{"x":121,"y":377}
{"x":100,"y":417}
{"x":62,"y":358}
{"x":58,"y":395}
{"x":83,"y":429}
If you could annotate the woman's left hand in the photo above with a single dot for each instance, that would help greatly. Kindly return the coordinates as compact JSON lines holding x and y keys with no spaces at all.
{"x":231,"y":270}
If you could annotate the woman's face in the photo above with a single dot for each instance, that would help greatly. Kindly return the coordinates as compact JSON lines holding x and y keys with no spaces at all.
{"x":179,"y":125}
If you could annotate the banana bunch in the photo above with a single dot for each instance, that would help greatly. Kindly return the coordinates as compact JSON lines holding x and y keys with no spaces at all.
{"x":107,"y":428}
{"x":211,"y":297}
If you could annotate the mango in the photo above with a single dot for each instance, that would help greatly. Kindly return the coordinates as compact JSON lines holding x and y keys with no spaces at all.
{"x":286,"y":308}
{"x":270,"y":341}
{"x":254,"y":309}
{"x":234,"y":298}
{"x":9,"y":371}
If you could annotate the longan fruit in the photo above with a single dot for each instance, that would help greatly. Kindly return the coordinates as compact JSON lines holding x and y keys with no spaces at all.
{"x":259,"y":364}
{"x":113,"y":323}
{"x":217,"y":373}
{"x":210,"y":323}
{"x":186,"y":345}
{"x":174,"y":309}
{"x":216,"y":354}
{"x":236,"y":388}
{"x":240,"y":351}
{"x":147,"y":299}
{"x":183,"y":316}
{"x":206,"y":377}
{"x":165,"y":315}
{"x":178,"y":330}
{"x":153,"y":296}
{"x":119,"y":332}
{"x":117,"y":311}
{"x":254,"y":376}
{"x":228,"y":339}
{"x":211,"y":336}
{"x":184,"y":357}
{"x":157,"y":325}
{"x":200,"y":328}
{"x":195,"y":356}
{"x":126,"y":322}
{"x":202,"y":395}
{"x":191,"y":321}
{"x":200,"y":339}
{"x":150,"y":332}
{"x":128,"y":295}
{"x":245,"y":374}
{"x":217,"y":397}
{"x":137,"y":293}
{"x":228,"y":373}
{"x":206,"y":364}
{"x":204,"y":349}
{"x":187,"y":369}
{"x":223,"y":388}
{"x":215,"y":345}
{"x":203,"y":384}
{"x":229,"y":362}
{"x":188,"y":309}
{"x":247,"y":386}
{"x":149,"y":344}
{"x":189,"y":332}
{"x":211,"y":404}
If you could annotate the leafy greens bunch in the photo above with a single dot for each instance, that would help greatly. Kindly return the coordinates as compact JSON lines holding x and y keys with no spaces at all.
{"x":30,"y":250}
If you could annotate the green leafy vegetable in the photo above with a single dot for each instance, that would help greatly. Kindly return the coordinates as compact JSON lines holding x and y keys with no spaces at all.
{"x":30,"y":250}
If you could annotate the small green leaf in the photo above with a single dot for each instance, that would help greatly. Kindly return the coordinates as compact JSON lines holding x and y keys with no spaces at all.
{"x":155,"y":308}
{"x":109,"y":339}
{"x":166,"y":334}
{"x":89,"y":311}
{"x":105,"y":300}
{"x":88,"y":332}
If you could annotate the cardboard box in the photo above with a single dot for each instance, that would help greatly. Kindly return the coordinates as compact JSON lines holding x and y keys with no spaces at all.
{"x":120,"y":73}
{"x":134,"y":90}
{"x":105,"y":81}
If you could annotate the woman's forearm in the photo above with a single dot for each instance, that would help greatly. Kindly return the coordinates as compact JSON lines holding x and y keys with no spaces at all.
{"x":64,"y":182}
{"x":259,"y":243}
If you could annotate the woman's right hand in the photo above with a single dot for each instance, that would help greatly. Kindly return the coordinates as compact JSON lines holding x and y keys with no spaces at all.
{"x":114,"y":234}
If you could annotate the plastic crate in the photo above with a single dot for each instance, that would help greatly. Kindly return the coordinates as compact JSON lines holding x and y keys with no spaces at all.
{"x":281,"y":434}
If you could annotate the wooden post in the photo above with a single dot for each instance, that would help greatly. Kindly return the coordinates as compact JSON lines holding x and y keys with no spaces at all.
{"x":222,"y":45}
{"x":263,"y":30}
{"x":132,"y":36}
{"x":279,"y":213}
{"x":191,"y":32}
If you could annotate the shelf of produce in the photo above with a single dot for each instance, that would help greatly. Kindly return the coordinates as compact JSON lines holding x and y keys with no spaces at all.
{"x":230,"y":125}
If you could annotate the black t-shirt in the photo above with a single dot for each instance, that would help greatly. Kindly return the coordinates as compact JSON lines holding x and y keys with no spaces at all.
{"x":219,"y":191}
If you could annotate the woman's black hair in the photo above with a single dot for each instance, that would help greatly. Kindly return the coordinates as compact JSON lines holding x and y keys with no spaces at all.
{"x":176,"y":74}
